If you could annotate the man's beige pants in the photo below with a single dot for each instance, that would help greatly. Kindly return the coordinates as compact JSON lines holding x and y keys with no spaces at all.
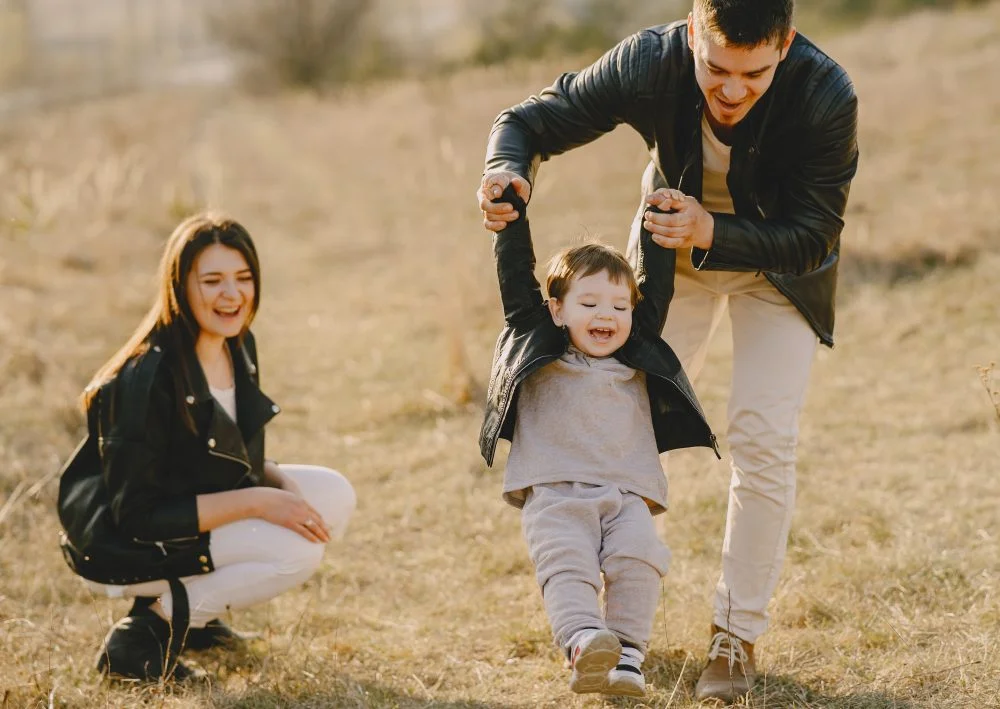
{"x":773,"y":350}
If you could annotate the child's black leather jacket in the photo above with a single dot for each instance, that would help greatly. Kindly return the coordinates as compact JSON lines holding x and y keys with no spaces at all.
{"x":530,"y":340}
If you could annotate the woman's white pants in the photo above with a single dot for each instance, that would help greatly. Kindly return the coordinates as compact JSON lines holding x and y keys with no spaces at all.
{"x":255,"y":560}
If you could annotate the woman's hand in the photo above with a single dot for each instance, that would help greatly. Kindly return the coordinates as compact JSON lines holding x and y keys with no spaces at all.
{"x":290,"y":510}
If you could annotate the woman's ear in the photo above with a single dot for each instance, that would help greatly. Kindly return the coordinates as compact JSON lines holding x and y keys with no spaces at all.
{"x":555,"y":310}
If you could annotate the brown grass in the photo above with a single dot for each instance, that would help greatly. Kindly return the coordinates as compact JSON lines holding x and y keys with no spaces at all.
{"x":378,"y":321}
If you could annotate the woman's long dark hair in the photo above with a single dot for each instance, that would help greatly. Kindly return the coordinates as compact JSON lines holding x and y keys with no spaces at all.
{"x":171,"y":319}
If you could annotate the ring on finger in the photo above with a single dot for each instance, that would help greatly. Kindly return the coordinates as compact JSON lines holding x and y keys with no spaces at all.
{"x":309,"y":523}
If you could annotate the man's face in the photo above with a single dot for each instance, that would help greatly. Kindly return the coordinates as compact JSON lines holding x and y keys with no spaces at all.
{"x":732,"y":78}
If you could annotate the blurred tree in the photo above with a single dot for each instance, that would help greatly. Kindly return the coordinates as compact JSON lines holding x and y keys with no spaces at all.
{"x":309,"y":43}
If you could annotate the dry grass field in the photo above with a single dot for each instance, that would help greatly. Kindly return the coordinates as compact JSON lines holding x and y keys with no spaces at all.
{"x":379,"y":315}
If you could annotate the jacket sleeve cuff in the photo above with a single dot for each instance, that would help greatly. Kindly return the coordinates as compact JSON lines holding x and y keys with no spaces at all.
{"x":725,"y":252}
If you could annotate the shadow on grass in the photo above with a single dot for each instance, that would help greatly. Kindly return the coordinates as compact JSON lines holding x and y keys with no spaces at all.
{"x":912,"y":265}
{"x":675,"y":674}
{"x":349,"y":695}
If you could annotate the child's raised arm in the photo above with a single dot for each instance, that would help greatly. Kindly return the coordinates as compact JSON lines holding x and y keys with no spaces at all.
{"x":654,"y":272}
{"x":515,"y":257}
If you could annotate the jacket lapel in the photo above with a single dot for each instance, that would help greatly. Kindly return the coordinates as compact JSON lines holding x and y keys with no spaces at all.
{"x":226,"y":438}
{"x":253,"y":407}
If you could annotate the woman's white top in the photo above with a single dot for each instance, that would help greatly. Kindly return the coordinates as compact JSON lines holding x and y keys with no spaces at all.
{"x":227,"y":398}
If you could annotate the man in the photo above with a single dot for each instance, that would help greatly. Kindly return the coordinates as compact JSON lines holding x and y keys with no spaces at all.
{"x":752,"y":131}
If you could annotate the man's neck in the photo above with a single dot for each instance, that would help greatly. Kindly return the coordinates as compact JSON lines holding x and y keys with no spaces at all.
{"x":723,"y":133}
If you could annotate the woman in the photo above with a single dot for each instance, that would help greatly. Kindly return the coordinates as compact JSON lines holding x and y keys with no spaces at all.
{"x":169,"y":500}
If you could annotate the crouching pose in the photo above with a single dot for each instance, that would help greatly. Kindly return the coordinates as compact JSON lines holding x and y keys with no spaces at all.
{"x":589,"y":395}
{"x":169,"y":500}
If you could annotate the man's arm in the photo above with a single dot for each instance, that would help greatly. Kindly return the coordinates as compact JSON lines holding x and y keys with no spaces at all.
{"x":807,"y":222}
{"x":515,"y":258}
{"x":812,"y":205}
{"x":578,"y":108}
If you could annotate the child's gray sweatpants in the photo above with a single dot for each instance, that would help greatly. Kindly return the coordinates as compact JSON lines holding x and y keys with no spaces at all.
{"x":574,"y":532}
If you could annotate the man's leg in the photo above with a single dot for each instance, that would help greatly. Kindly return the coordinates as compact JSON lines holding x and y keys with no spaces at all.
{"x":694,"y":315}
{"x":773,"y":350}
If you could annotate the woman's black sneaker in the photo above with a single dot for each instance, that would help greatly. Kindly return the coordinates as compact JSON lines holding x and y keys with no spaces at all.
{"x":217,"y":634}
{"x":136,"y":647}
{"x":214,"y":634}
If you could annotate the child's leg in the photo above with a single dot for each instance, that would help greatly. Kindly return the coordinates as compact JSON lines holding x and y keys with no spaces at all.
{"x":634,"y":560}
{"x":562,"y":526}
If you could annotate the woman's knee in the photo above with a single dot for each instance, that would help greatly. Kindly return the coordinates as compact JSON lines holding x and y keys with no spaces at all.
{"x":328,"y":491}
{"x":301,"y":559}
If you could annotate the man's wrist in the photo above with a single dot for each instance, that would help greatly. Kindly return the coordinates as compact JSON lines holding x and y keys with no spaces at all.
{"x":708,"y":233}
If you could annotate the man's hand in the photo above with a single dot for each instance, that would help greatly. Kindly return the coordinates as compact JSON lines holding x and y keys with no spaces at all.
{"x":688,"y":225}
{"x":497,"y":216}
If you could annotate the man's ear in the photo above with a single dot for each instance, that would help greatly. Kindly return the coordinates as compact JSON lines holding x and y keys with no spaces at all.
{"x":786,"y":44}
{"x":691,"y":30}
{"x":555,"y":310}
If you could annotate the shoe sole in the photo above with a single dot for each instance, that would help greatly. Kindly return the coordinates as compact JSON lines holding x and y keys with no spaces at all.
{"x":726,"y":696}
{"x":590,"y":671}
{"x":624,"y":689}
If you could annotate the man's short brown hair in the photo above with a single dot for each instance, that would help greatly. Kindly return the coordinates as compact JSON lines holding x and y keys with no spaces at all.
{"x":586,"y":260}
{"x":745,"y":23}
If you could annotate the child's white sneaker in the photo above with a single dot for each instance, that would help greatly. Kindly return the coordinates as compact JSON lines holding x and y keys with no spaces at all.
{"x":592,"y":655}
{"x":626,"y":681}
{"x":626,"y":678}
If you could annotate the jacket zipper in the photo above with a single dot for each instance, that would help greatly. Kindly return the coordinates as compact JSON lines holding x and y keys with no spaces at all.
{"x":711,"y":436}
{"x":680,"y":179}
{"x":242,"y":462}
{"x":161,"y":543}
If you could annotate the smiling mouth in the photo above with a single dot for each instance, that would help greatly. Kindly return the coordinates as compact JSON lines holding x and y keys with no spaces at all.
{"x":228,"y":313}
{"x":602,"y":334}
{"x":728,"y":106}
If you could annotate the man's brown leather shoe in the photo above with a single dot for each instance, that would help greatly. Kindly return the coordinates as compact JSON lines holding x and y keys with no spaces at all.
{"x":730,"y":672}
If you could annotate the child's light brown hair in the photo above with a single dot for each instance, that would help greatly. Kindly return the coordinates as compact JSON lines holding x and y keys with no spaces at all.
{"x":586,"y":260}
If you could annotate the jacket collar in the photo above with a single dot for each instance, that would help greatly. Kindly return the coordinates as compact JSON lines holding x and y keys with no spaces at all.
{"x":253,"y":408}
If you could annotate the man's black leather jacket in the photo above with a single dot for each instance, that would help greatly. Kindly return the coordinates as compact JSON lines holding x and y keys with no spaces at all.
{"x":530,"y":340}
{"x":792,"y":161}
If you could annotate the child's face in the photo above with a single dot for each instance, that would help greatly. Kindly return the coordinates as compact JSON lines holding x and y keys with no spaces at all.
{"x":597,"y":312}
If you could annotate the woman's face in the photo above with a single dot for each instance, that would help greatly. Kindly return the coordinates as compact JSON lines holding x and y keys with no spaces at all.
{"x":220,"y":289}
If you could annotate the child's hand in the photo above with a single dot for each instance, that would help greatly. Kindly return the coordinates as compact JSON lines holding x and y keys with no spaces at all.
{"x":666,"y":199}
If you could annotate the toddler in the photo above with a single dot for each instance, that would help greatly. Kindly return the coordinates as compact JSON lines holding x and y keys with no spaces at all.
{"x":589,"y":395}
